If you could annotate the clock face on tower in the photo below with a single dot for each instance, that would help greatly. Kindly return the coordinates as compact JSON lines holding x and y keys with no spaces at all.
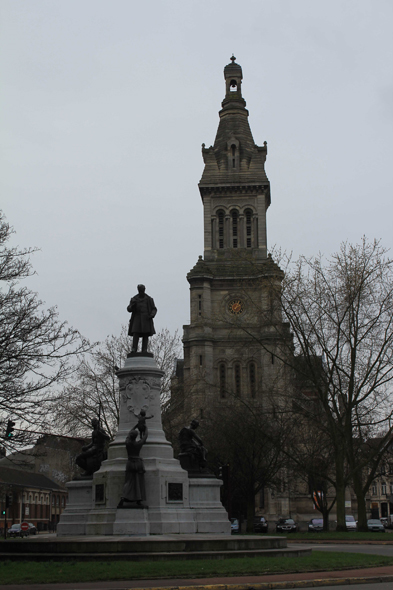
{"x":236,"y":306}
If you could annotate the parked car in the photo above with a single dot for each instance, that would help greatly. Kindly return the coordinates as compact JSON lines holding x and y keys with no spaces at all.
{"x":315,"y":525}
{"x":260,"y":524}
{"x":384,"y":521}
{"x":32,"y":528}
{"x":286,"y":525}
{"x":16,"y":531}
{"x":235,"y":526}
{"x":374,"y":524}
{"x":350,"y":523}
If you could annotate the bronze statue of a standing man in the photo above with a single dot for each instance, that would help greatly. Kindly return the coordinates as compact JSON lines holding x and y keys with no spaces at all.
{"x":142,"y":311}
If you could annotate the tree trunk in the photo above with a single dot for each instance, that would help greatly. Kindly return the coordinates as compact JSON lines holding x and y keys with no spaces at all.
{"x":340,"y":493}
{"x":325,"y":515}
{"x":362,"y":513}
{"x":250,"y":513}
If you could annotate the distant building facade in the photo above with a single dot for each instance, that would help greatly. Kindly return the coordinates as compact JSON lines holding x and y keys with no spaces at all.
{"x":32,"y":497}
{"x":35,"y":480}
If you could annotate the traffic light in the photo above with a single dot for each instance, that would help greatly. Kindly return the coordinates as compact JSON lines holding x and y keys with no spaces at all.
{"x":10,"y":429}
{"x":8,"y":500}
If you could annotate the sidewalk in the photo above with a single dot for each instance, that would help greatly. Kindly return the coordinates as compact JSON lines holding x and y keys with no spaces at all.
{"x":302,"y":580}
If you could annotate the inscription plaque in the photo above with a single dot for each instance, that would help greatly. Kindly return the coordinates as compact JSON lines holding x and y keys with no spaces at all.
{"x":175,"y":492}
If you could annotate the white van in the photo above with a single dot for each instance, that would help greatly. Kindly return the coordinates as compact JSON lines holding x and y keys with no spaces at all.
{"x":350,"y":523}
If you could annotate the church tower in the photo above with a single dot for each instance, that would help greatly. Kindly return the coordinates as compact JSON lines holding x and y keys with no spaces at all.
{"x":229,"y":346}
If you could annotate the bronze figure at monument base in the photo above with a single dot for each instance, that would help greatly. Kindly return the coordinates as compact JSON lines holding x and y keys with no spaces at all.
{"x":93,"y":454}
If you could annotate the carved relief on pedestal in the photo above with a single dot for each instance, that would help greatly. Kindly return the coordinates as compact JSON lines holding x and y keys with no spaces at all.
{"x":137,"y":393}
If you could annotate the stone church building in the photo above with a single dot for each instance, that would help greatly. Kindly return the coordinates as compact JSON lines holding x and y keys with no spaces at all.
{"x":233,"y":344}
{"x":222,"y":350}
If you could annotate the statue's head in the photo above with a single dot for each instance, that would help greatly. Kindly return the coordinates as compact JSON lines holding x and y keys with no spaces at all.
{"x":95,"y":422}
{"x":133,"y":434}
{"x":141,"y":289}
{"x":194,"y":424}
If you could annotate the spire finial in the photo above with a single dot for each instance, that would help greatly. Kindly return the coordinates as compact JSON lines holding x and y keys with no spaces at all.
{"x":233,"y":58}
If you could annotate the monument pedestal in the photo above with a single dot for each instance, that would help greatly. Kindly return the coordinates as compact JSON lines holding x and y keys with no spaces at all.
{"x":176,"y":503}
{"x":74,"y":518}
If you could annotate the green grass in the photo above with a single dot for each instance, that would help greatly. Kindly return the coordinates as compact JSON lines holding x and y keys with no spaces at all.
{"x":12,"y":572}
{"x":340,"y":536}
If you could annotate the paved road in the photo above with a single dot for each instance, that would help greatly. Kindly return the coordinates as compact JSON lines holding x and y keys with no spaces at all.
{"x":356,"y":548}
{"x":373,"y":586}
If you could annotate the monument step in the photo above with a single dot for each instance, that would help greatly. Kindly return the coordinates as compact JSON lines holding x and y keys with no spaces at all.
{"x":157,"y":556}
{"x":108,"y":545}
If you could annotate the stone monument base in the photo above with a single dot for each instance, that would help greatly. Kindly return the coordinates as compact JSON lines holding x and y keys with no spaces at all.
{"x":204,"y":515}
{"x":177,"y":502}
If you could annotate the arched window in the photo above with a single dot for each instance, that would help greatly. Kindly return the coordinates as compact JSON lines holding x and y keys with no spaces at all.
{"x":248,"y":214}
{"x":233,"y":150}
{"x":222,"y":373}
{"x":238,"y":379}
{"x":252,"y":381}
{"x":221,"y":221}
{"x":233,"y":153}
{"x":235,"y":228}
{"x":233,"y":86}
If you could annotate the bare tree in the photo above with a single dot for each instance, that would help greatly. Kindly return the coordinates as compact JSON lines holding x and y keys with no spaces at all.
{"x":36,"y":349}
{"x":94,"y":388}
{"x":310,"y":456}
{"x":340,"y":310}
{"x":250,"y":439}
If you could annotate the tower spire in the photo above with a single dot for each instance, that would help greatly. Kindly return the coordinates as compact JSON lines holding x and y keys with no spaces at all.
{"x":233,"y":80}
{"x":234,"y":160}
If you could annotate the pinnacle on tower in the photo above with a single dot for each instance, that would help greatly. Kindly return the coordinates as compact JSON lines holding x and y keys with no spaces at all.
{"x":234,"y":159}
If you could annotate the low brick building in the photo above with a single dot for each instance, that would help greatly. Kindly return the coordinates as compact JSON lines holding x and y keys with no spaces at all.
{"x":33,"y":498}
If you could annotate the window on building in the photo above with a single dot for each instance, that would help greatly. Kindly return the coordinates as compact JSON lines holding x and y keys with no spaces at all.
{"x":390,"y":468}
{"x":221,"y":221}
{"x":233,"y":150}
{"x":238,"y":382}
{"x":248,"y":214}
{"x":374,"y":489}
{"x":252,"y":379}
{"x":383,"y":488}
{"x":235,"y":228}
{"x":199,"y":305}
{"x":222,"y":377}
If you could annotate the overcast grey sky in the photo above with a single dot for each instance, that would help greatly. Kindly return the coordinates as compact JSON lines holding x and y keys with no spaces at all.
{"x":106,"y":104}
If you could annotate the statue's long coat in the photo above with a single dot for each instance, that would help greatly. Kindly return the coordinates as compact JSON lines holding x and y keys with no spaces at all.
{"x":142,"y":323}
